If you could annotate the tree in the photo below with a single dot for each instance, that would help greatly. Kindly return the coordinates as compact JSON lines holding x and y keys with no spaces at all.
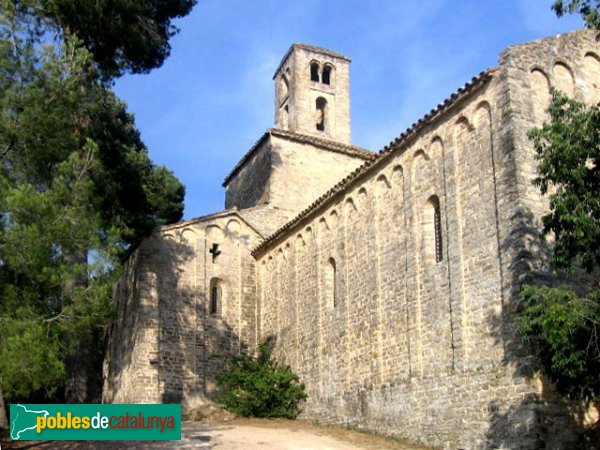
{"x":3,"y":418}
{"x":260,"y":387}
{"x":123,"y":36}
{"x":588,"y":9}
{"x":77,"y":190}
{"x":562,"y":325}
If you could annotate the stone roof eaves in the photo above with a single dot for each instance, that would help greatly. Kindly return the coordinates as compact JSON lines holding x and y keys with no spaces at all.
{"x":326,"y":144}
{"x":398,"y":144}
{"x":310,"y":48}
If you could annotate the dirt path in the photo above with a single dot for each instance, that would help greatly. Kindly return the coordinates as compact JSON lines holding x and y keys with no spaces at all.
{"x":238,"y":434}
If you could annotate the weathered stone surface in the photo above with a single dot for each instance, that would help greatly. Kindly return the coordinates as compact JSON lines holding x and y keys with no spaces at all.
{"x":393,"y":294}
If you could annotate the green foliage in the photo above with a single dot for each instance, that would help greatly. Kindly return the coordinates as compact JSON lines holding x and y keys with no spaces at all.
{"x":260,"y":387}
{"x":560,"y":325}
{"x":77,"y":189}
{"x":121,"y":36}
{"x":589,"y":10}
{"x":564,"y":329}
{"x":568,"y":151}
{"x":37,"y":350}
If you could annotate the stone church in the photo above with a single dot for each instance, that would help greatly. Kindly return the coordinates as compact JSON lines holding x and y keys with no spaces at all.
{"x":388,"y":281}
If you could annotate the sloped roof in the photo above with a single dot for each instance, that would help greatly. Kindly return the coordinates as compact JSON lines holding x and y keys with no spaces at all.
{"x":394,"y":146}
{"x":325,"y":144}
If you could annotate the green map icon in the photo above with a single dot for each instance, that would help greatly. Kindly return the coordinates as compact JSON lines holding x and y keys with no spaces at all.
{"x":23,"y":420}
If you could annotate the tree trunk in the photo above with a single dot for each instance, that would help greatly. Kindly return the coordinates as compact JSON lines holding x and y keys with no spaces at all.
{"x":84,"y":369}
{"x":3,"y":419}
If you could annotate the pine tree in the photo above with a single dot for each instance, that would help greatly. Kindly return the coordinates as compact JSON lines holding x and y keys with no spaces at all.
{"x":77,"y":190}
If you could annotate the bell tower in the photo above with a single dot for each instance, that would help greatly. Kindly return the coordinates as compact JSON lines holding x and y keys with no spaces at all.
{"x":312,"y":93}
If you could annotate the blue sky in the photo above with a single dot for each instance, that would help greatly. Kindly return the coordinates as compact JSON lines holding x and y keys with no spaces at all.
{"x":213,"y":98}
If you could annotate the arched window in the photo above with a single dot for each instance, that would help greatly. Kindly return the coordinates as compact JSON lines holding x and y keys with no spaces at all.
{"x":329,"y":282}
{"x":326,"y":78}
{"x":285,"y":119}
{"x":320,"y":113}
{"x":314,"y":71}
{"x":432,"y":230}
{"x":284,"y":88}
{"x":216,"y":291}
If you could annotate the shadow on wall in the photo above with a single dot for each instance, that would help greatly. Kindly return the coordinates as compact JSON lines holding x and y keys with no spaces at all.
{"x":162,"y":300}
{"x":539,"y":420}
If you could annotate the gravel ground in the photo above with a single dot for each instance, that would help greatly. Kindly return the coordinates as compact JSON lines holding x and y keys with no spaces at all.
{"x":247,"y":434}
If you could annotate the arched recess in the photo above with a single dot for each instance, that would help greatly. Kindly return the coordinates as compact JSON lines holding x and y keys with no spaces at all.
{"x":436,"y":149}
{"x":363,"y":199}
{"x":382,"y":199}
{"x":483,"y":116}
{"x":397,"y":176}
{"x":383,"y":183}
{"x":280,"y":256}
{"x":591,"y":69}
{"x":322,"y":230}
{"x":398,"y":188}
{"x":350,"y":206}
{"x":300,"y":242}
{"x":287,"y":250}
{"x":308,"y":236}
{"x":187,"y":241}
{"x":563,"y":79}
{"x":462,"y":127}
{"x":420,"y":153}
{"x":233,"y":229}
{"x":463,"y":147}
{"x":214,"y":232}
{"x":333,"y":219}
{"x":323,"y":225}
{"x":421,"y":173}
{"x":540,"y":94}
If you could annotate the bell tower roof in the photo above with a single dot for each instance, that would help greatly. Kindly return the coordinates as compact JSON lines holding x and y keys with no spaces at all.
{"x":309,"y":48}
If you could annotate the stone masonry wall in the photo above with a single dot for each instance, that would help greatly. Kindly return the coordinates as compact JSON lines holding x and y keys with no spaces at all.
{"x":569,"y":63}
{"x":287,"y":174}
{"x":166,"y":346}
{"x":394,"y":299}
{"x":251,"y":186}
{"x":302,"y":172}
{"x":387,"y":337}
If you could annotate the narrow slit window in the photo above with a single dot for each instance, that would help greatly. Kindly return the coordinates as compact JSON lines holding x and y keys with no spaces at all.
{"x":431,"y":227}
{"x":314,"y":72}
{"x":320,"y":113}
{"x":437,"y":222}
{"x":329,"y":283}
{"x":215,"y":297}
